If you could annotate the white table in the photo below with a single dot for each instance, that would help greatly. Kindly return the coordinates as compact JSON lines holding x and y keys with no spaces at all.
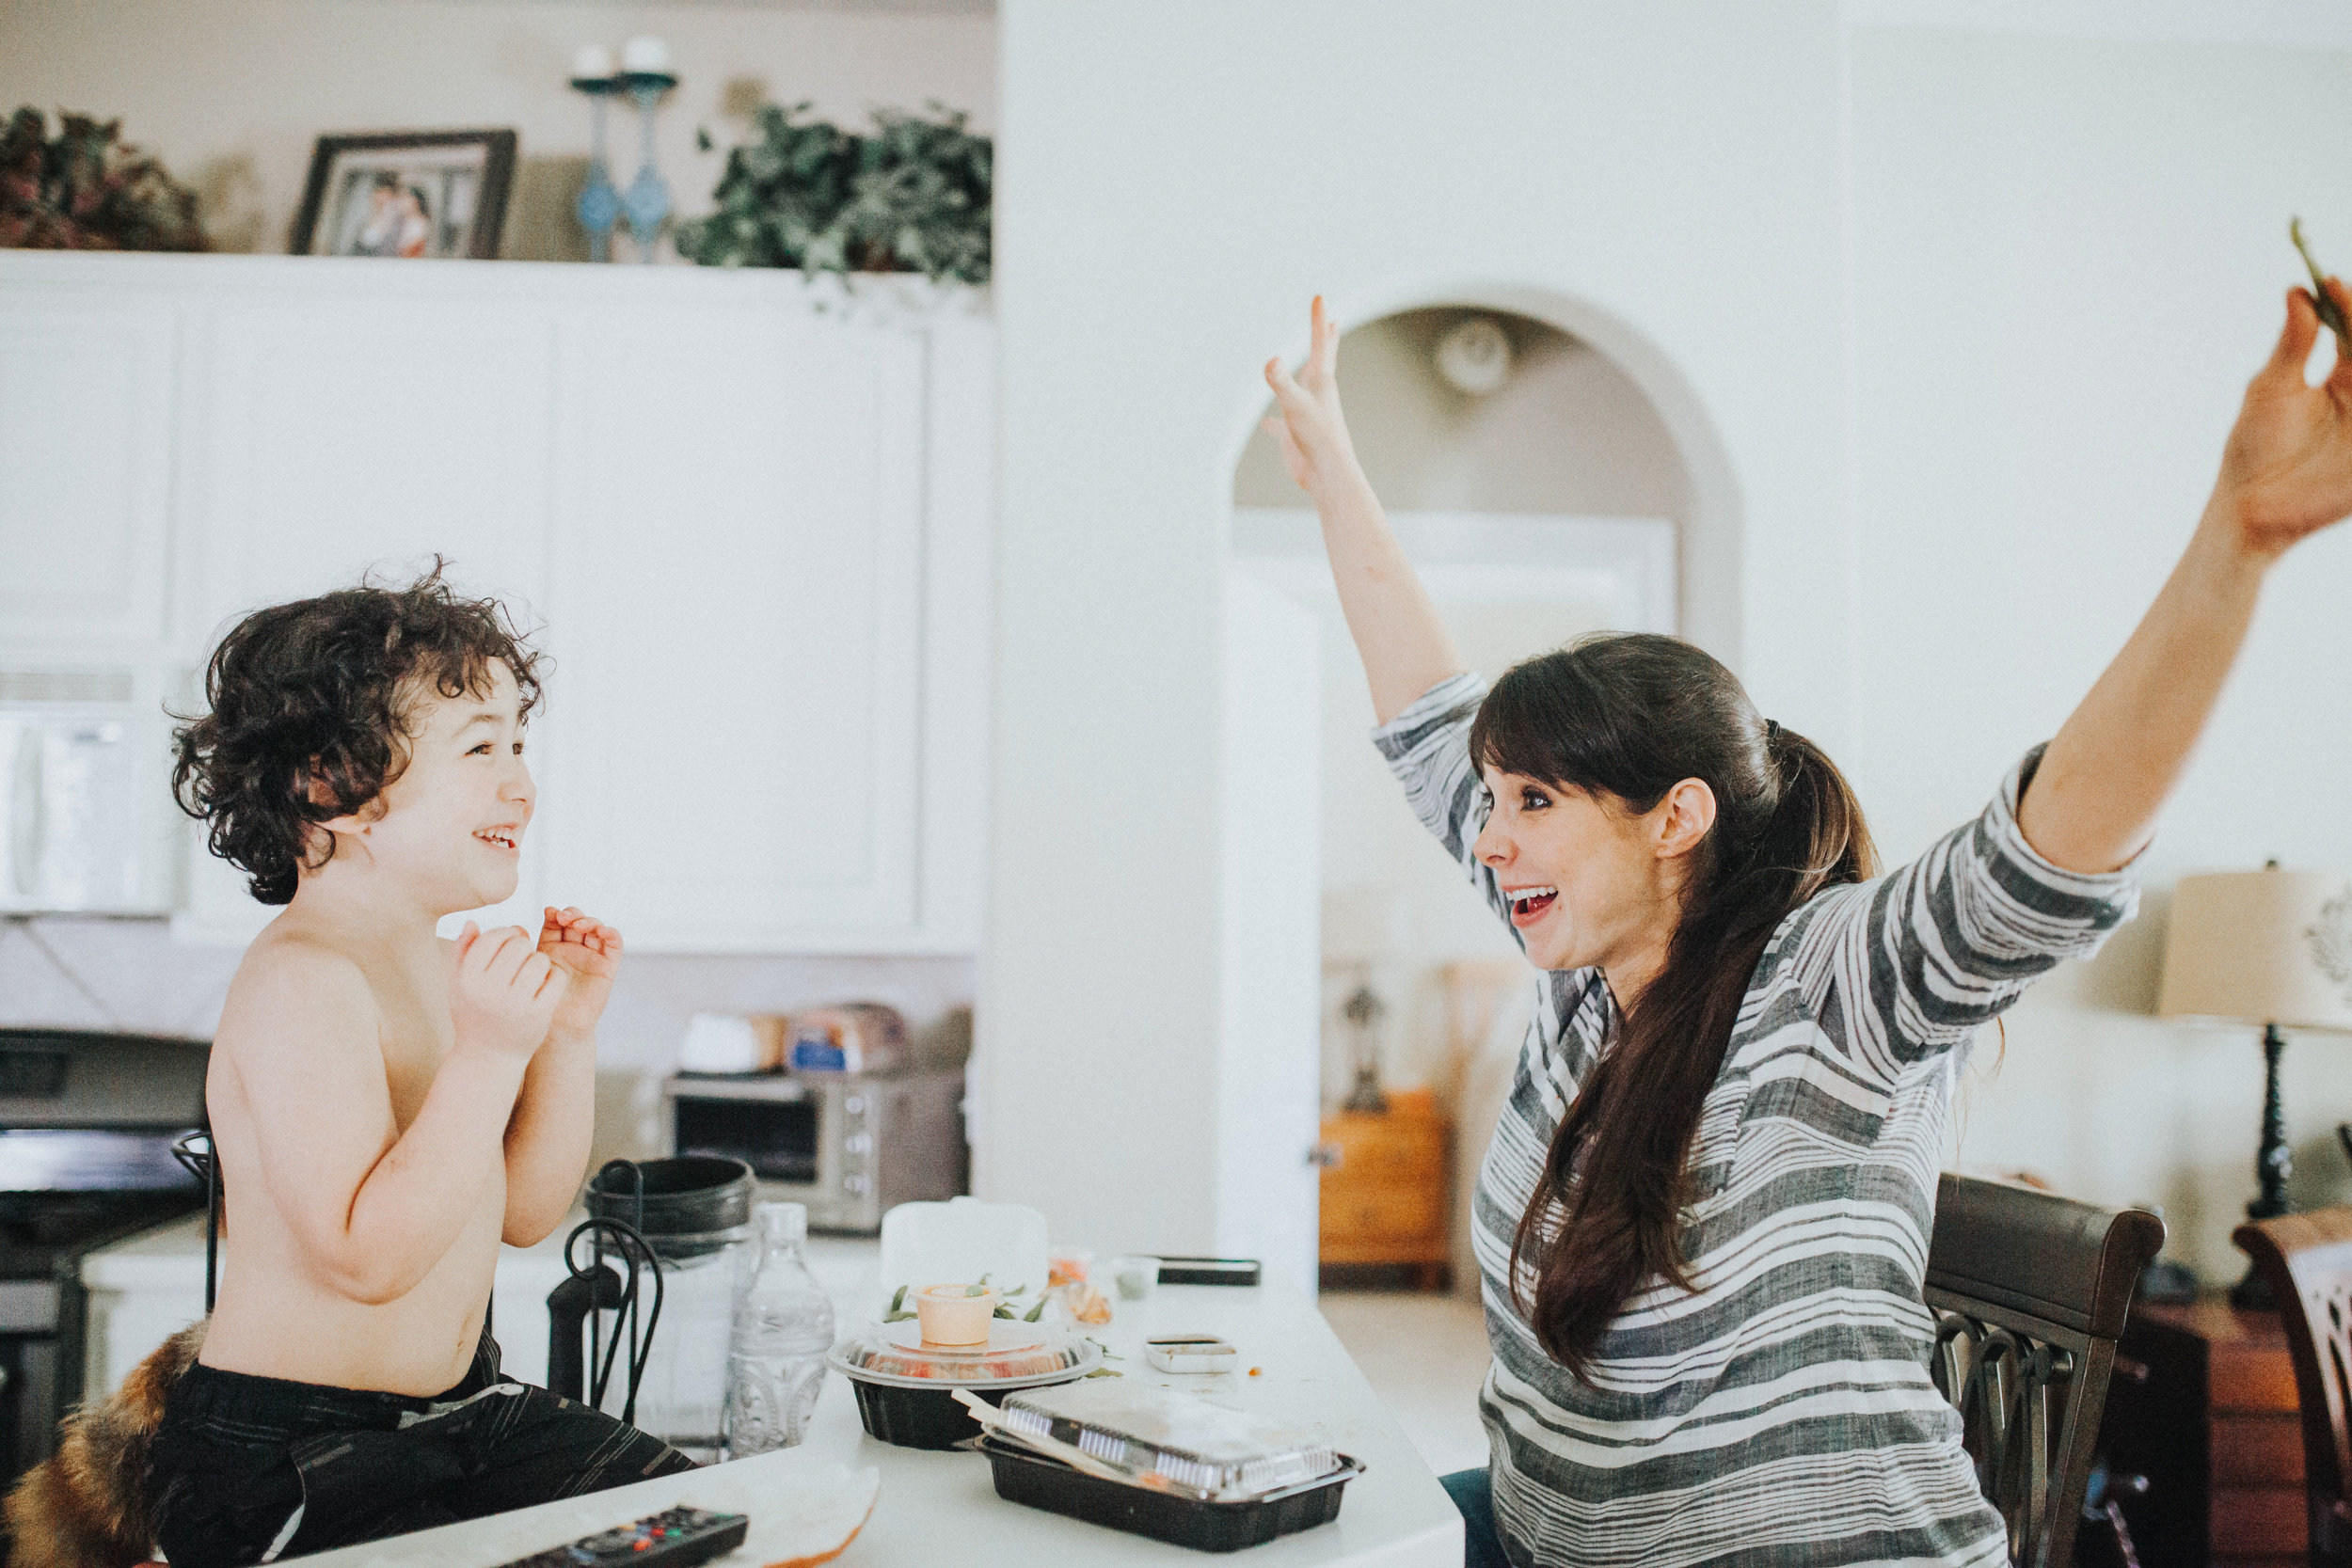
{"x":937,"y":1506}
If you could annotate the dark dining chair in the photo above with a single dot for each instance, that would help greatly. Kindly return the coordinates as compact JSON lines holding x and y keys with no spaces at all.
{"x":2030,"y":1290}
{"x":2306,"y":1259}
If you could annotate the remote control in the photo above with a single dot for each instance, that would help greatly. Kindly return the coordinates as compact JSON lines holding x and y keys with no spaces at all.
{"x":672,"y":1538}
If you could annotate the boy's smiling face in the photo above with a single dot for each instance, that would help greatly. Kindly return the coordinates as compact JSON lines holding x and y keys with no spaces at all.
{"x":449,"y":828}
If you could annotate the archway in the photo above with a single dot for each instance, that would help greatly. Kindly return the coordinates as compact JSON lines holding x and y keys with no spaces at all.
{"x":1588,"y":491}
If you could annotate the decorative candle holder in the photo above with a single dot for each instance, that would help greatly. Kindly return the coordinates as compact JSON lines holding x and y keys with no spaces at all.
{"x":647,"y":202}
{"x":646,"y":77}
{"x":600,"y":204}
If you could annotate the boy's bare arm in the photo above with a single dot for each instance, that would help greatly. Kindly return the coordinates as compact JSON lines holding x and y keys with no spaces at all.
{"x":374,"y":1213}
{"x":547,"y":1139}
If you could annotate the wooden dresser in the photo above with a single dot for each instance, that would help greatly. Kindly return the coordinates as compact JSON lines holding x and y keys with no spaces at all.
{"x":2203,"y":1405}
{"x":1386,"y":1193}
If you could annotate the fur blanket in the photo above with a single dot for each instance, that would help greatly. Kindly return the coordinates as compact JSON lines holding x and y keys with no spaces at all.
{"x":86,"y":1506}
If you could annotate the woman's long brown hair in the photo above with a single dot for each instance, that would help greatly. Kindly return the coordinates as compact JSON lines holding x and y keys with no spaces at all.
{"x":1623,"y":718}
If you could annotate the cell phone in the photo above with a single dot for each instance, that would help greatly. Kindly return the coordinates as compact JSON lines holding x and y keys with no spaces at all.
{"x":2329,"y":311}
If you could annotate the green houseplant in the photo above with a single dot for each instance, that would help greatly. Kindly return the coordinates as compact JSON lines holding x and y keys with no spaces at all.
{"x":87,"y":189}
{"x":911,"y":196}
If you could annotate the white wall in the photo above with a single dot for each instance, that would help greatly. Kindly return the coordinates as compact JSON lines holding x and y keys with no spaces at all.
{"x":2069,"y":255}
{"x":1969,"y":312}
{"x":232,"y":93}
{"x":1176,"y":182}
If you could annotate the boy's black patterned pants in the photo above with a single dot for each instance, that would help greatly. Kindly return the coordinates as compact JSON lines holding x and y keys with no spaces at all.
{"x":252,"y":1470}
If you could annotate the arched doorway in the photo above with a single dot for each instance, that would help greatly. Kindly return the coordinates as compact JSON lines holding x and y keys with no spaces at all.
{"x":1582,"y":490}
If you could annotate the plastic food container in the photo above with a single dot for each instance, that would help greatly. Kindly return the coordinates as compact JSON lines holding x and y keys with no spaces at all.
{"x":905,"y":1386}
{"x":1164,"y":1438}
{"x":1204,"y":1525}
{"x":1191,"y":1355}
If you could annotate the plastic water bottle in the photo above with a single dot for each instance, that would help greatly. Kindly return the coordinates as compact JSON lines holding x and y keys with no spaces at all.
{"x":782,"y":1330}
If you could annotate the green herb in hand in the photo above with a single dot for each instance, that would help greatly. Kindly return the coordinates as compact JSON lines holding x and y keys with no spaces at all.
{"x":2329,"y":312}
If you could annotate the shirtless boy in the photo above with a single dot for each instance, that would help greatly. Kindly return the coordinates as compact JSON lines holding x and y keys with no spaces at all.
{"x":387,"y":1106}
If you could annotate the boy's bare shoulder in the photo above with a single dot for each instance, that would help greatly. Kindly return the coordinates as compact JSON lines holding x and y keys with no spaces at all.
{"x":292,"y":985}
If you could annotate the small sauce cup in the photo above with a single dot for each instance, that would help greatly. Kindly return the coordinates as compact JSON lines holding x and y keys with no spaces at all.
{"x":954,"y":1315}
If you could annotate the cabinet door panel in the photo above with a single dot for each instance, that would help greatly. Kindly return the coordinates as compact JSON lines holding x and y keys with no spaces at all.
{"x":85,"y":468}
{"x":374,"y":436}
{"x":738,"y":622}
{"x":366,"y":437}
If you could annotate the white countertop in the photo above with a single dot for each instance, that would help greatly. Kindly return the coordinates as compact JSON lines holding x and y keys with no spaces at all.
{"x":933,"y":1504}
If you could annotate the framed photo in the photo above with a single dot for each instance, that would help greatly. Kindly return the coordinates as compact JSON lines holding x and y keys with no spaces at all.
{"x":410,"y":193}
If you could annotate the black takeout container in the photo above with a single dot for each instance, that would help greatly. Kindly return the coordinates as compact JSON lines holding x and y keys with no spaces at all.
{"x":906,"y":1387}
{"x":1024,"y":1477}
{"x":919,"y":1418}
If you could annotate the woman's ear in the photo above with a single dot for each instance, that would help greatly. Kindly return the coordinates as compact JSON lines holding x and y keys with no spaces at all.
{"x":1683,"y":820}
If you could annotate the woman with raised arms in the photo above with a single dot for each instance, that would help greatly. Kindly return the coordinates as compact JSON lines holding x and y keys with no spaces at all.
{"x":1702,"y":1221}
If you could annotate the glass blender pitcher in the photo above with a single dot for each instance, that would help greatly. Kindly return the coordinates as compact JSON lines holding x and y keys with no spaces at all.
{"x":642,"y":1334}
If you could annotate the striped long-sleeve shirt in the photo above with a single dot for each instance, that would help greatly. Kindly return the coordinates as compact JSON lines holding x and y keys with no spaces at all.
{"x":1781,"y":1412}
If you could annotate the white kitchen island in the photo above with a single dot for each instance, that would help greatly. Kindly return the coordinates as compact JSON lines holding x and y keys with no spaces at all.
{"x":943,"y":1506}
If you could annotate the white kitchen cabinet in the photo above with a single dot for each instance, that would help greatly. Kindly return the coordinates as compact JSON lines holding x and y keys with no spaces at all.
{"x":741,"y":591}
{"x":85,"y":406}
{"x":751,"y":518}
{"x":349,"y":440}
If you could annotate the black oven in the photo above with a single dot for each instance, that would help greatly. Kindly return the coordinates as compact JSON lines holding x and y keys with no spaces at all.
{"x":86,"y":1124}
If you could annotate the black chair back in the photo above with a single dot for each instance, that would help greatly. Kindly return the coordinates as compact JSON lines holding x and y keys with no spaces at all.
{"x":2030,"y":1290}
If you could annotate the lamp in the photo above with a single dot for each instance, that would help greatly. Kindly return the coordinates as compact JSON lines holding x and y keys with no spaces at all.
{"x":2270,"y":947}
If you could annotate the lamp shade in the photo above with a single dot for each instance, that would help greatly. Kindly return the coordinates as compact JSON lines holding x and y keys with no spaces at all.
{"x":2261,"y":947}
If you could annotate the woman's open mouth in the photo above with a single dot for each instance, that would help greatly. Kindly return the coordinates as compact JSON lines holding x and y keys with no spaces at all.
{"x":1528,"y":904}
{"x":501,"y":838}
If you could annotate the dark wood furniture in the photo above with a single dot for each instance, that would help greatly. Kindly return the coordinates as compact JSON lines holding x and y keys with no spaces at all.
{"x":2202,"y":1440}
{"x":2030,"y":1291}
{"x":1386,"y":1193}
{"x":2306,"y":1259}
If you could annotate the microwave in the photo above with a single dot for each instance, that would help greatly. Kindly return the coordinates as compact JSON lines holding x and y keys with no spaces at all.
{"x":850,"y":1147}
{"x":87,"y":820}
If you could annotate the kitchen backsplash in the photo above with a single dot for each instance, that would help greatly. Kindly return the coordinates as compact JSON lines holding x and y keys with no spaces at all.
{"x":97,"y":973}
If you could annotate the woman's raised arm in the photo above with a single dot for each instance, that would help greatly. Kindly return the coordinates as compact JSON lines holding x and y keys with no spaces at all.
{"x":2285,"y":472}
{"x":1404,"y":647}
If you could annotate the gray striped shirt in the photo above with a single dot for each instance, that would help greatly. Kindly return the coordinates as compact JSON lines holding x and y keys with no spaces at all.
{"x":1781,"y":1412}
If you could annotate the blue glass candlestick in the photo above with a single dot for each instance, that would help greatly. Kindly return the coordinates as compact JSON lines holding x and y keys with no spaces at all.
{"x":647,"y":202}
{"x":600,"y":204}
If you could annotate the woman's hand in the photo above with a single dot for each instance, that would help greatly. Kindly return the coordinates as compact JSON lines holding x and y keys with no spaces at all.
{"x":1310,"y":427}
{"x":2287,"y":469}
{"x":2287,"y":472}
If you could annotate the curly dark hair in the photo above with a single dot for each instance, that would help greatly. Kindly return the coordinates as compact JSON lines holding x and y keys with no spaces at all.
{"x":310,"y":709}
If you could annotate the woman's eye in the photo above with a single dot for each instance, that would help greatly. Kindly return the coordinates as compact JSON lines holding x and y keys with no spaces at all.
{"x":1534,"y":799}
{"x":481,"y":750}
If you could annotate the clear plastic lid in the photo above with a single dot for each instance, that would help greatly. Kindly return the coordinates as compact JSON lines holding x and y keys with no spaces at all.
{"x":1016,"y":1352}
{"x":1159,"y":1436}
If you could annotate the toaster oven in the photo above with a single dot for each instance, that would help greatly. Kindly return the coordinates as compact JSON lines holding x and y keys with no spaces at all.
{"x":851,"y":1147}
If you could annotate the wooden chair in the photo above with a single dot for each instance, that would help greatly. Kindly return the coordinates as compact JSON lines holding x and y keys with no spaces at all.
{"x":2306,"y":1259}
{"x":2030,"y":1290}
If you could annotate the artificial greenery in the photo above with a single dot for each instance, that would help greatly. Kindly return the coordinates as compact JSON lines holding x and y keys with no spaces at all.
{"x":87,"y":189}
{"x":914,"y":195}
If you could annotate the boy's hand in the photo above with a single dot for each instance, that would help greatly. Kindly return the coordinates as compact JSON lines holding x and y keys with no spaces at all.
{"x":503,"y":996}
{"x":589,"y":954}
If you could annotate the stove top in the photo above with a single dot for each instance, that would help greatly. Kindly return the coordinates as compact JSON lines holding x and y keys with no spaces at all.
{"x":41,"y":1233}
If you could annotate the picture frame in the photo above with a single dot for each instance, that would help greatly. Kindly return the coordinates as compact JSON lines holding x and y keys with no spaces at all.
{"x":414,"y":194}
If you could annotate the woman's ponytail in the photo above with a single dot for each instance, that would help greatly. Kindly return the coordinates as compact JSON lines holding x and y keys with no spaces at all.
{"x":1628,"y":716}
